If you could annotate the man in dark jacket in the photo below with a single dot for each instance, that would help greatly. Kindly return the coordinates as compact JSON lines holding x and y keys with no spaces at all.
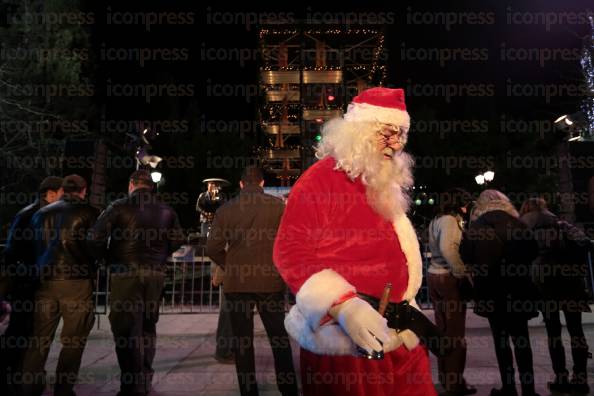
{"x":241,"y":242}
{"x":18,"y":282}
{"x":142,"y":232}
{"x":19,"y":252}
{"x":66,"y":271}
{"x":560,"y":274}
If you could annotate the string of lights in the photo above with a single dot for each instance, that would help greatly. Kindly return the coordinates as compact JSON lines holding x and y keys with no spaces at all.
{"x":288,"y":50}
{"x":371,"y":68}
{"x":297,"y":68}
{"x":336,"y":31}
{"x":588,"y":69}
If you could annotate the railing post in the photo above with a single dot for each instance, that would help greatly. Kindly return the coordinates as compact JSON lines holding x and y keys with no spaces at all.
{"x":173,"y":284}
{"x":591,"y":271}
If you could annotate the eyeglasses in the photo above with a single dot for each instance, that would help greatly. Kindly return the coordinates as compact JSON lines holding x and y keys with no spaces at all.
{"x":391,"y":133}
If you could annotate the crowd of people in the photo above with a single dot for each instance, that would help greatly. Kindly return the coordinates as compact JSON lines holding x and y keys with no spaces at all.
{"x":344,"y":247}
{"x":512,"y":265}
{"x":48,"y":275}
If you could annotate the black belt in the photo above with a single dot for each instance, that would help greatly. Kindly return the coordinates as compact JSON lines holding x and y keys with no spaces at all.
{"x":402,"y":316}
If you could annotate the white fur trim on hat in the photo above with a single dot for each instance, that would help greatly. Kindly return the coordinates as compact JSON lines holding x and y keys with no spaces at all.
{"x":359,"y":112}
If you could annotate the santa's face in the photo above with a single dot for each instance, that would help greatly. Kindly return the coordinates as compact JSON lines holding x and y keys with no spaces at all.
{"x":390,"y":140}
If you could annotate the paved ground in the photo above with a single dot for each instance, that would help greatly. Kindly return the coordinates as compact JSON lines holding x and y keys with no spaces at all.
{"x":184,"y":364}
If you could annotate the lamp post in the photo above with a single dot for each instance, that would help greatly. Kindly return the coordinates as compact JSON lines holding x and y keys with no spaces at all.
{"x":156,"y":176}
{"x":153,"y":162}
{"x":484,"y":179}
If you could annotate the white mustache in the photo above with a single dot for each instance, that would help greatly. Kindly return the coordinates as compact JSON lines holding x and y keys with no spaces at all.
{"x":389,"y":151}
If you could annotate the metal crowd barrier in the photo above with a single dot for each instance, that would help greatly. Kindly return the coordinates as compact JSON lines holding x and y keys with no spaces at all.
{"x":188,"y":288}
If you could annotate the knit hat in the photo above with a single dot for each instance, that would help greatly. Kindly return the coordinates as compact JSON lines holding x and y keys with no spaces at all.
{"x":384,"y":105}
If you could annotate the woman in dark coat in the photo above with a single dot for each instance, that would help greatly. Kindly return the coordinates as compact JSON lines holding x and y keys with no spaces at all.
{"x":499,"y":249}
{"x":560,"y":271}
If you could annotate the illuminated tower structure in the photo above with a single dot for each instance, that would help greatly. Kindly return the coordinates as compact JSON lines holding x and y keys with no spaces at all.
{"x":308,"y":75}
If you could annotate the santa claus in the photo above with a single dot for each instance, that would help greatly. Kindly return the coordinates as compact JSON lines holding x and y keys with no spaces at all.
{"x":344,"y":236}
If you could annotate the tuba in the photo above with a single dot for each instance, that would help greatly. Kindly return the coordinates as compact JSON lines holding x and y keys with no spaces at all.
{"x":211,"y":199}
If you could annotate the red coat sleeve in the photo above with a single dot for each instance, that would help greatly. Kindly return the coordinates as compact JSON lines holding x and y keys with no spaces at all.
{"x":300,"y":230}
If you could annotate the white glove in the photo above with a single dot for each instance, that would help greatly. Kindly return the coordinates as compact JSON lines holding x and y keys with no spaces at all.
{"x":361,"y":323}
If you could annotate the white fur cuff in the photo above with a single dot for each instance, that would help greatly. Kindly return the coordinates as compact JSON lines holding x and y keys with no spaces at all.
{"x":410,"y":247}
{"x":330,"y":339}
{"x":318,"y":293}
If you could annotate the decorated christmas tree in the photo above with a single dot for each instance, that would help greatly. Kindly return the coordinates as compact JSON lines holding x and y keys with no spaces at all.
{"x":588,"y":68}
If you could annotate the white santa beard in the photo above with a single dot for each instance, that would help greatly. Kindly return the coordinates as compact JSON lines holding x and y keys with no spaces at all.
{"x":382,"y":193}
{"x":354,"y":147}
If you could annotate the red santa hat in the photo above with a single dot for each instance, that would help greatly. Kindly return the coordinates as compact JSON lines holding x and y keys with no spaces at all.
{"x":385,"y":105}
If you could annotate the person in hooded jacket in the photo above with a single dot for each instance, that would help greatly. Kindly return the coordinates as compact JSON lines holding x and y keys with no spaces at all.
{"x":499,"y":249}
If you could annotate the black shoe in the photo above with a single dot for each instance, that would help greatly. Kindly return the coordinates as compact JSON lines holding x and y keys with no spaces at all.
{"x":225,"y":360}
{"x":467,"y":390}
{"x":504,"y":392}
{"x":560,"y":384}
{"x":581,"y":389}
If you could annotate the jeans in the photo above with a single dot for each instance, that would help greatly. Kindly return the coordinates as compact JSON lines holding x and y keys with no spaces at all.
{"x":71,"y":300}
{"x":579,"y":346}
{"x":502,"y":329}
{"x":134,"y":312}
{"x":450,"y":317}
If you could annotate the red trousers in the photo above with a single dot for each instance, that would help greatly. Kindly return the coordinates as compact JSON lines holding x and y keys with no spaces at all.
{"x":401,"y":372}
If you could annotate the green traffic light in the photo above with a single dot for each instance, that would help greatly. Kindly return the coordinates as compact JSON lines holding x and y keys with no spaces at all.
{"x":318,"y":138}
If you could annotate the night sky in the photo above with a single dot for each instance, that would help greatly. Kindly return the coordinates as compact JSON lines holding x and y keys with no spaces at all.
{"x":204,"y":124}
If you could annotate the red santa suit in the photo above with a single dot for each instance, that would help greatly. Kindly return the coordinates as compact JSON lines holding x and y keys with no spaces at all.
{"x":330,"y":242}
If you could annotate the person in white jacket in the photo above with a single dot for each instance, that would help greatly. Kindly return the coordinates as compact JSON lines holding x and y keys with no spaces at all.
{"x":446,"y":276}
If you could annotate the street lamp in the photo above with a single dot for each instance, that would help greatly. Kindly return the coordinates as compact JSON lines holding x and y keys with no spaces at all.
{"x":484,"y":178}
{"x":574,"y":127}
{"x":153,"y":161}
{"x":156,"y":176}
{"x":565,"y":119}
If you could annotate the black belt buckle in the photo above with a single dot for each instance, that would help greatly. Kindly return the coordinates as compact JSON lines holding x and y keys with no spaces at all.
{"x":374,"y":355}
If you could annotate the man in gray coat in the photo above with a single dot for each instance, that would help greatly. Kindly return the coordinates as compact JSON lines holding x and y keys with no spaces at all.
{"x":241,"y":241}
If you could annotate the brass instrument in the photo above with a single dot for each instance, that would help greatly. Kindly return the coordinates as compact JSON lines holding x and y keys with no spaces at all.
{"x":209,"y":201}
